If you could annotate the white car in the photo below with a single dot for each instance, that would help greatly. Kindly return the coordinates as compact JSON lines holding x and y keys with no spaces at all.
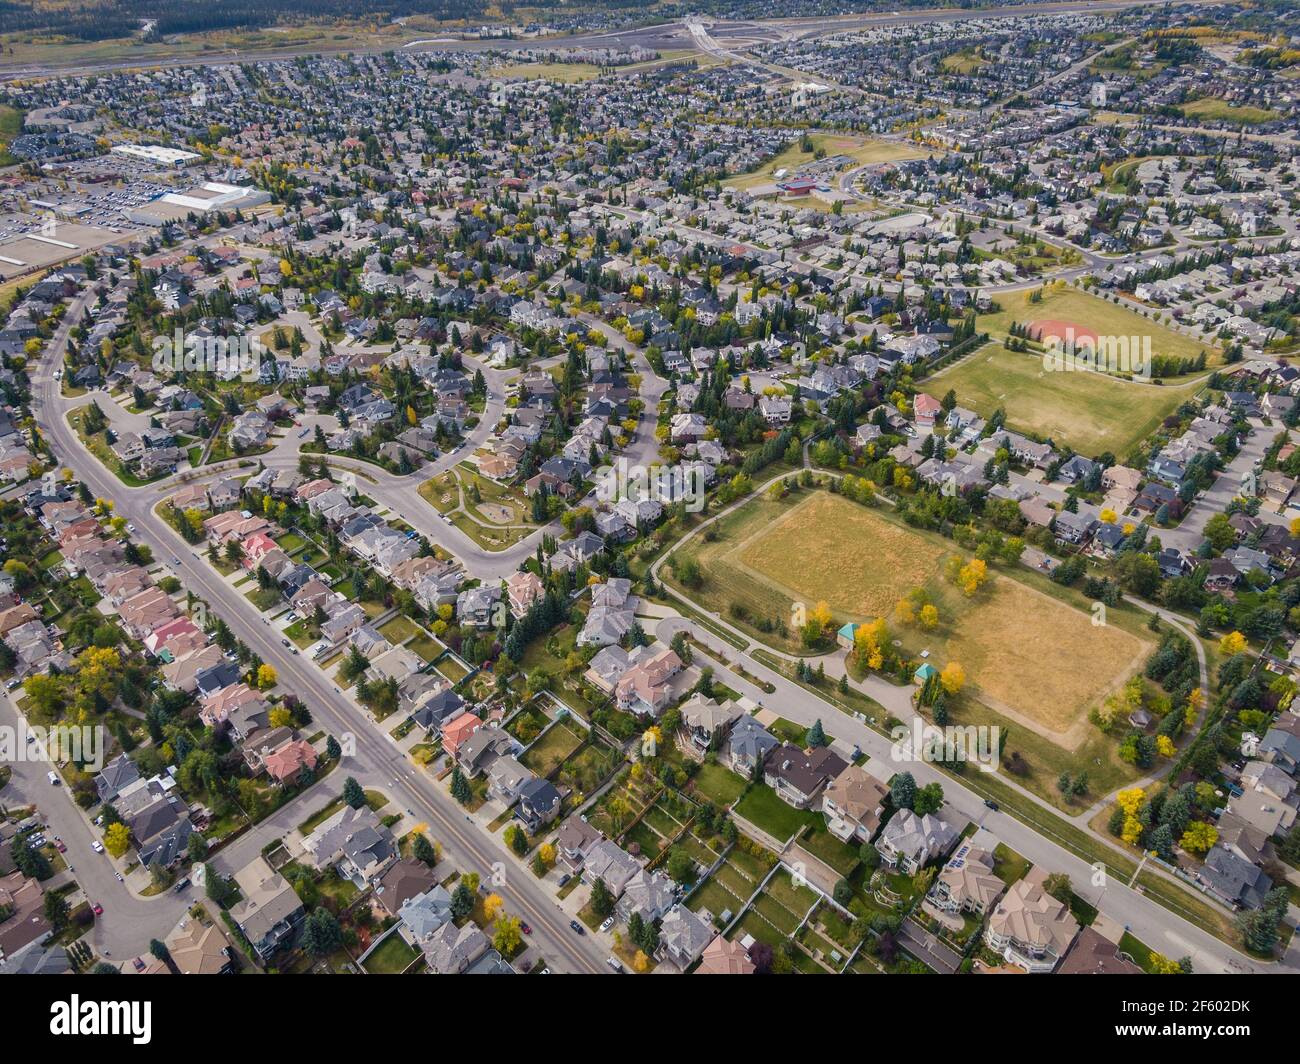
{"x":97,"y":846}
{"x":609,"y":922}
{"x":130,"y":528}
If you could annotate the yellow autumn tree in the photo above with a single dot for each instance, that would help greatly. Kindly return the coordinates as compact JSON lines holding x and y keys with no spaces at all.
{"x":1232,"y":643}
{"x":972,"y":576}
{"x":117,"y":839}
{"x":953,"y":677}
{"x":1165,"y":746}
{"x":641,"y":962}
{"x":929,"y":617}
{"x":492,"y":905}
{"x":868,"y":640}
{"x":904,"y":613}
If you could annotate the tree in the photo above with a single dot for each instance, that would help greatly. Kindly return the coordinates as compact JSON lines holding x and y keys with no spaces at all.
{"x":159,"y":949}
{"x":507,"y":935}
{"x":952,"y":678}
{"x":332,"y":749}
{"x":902,"y":790}
{"x":602,"y":901}
{"x":56,"y":910}
{"x":492,"y":906}
{"x":1058,"y":886}
{"x":321,"y":934}
{"x":266,"y":677}
{"x":424,"y":851}
{"x":117,"y":839}
{"x":816,"y":735}
{"x":1232,"y":643}
{"x":353,"y":793}
{"x":1199,"y":837}
{"x":460,"y":786}
{"x":929,"y":799}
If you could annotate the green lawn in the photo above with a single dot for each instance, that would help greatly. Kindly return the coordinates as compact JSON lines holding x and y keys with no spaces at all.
{"x":1091,"y":412}
{"x":1008,"y":865}
{"x":719,"y":785}
{"x":765,"y":810}
{"x":392,"y":957}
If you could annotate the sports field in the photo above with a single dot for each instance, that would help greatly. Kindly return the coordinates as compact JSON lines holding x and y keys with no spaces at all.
{"x":1030,"y":656}
{"x":862,"y":150}
{"x":1091,"y":412}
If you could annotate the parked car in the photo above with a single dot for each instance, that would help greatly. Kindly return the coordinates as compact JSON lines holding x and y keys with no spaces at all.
{"x":97,"y":846}
{"x":577,"y":927}
{"x":608,"y":923}
{"x":97,"y":909}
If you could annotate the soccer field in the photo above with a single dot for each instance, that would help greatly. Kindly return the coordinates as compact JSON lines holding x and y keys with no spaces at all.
{"x":1091,"y":412}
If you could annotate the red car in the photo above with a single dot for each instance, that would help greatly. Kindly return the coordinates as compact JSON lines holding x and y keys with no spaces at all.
{"x":525,"y":929}
{"x":98,"y":909}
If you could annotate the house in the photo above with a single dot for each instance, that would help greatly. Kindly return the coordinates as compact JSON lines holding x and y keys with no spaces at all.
{"x":269,"y":911}
{"x":748,"y":746}
{"x":610,"y":863}
{"x":451,"y":949}
{"x":505,"y":776}
{"x":404,"y":880}
{"x":1234,"y":880}
{"x":458,"y":730}
{"x":198,"y":948}
{"x":355,"y":841}
{"x":683,"y":936}
{"x":24,"y":900}
{"x":1029,"y":928}
{"x":286,"y":764}
{"x":799,"y":776}
{"x":705,"y":723}
{"x":645,"y":688}
{"x":574,"y":840}
{"x":853,"y":804}
{"x":908,"y":842}
{"x":721,"y":957}
{"x":1094,"y":954}
{"x":649,"y":895}
{"x":523,"y":588}
{"x":539,"y":804}
{"x":115,"y":777}
{"x":967,"y":882}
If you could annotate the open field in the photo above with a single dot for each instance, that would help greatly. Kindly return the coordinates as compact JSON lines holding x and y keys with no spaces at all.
{"x":967,"y":61}
{"x":1029,"y":656}
{"x":1090,"y":412}
{"x":862,"y":150}
{"x":1212,"y":109}
{"x":1098,"y":316}
{"x":568,"y":73}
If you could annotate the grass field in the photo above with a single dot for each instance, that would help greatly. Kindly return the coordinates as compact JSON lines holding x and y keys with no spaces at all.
{"x":1212,"y":109}
{"x":967,"y":61}
{"x":862,"y":150}
{"x":11,"y":124}
{"x":568,"y":73}
{"x":1098,"y":315}
{"x":1090,"y":412}
{"x":1029,"y":656}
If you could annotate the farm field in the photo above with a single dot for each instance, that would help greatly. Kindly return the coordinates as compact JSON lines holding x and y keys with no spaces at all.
{"x":863,"y":150}
{"x":1090,"y":412}
{"x":1030,"y":656}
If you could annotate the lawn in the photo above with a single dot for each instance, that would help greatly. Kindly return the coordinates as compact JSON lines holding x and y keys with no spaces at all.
{"x":718,"y":785}
{"x":567,"y":73}
{"x":1027,"y":654}
{"x":548,"y":752}
{"x":1008,"y":865}
{"x":391,"y":957}
{"x":862,"y":150}
{"x":762,"y":808}
{"x":1090,"y":412}
{"x":1212,"y":109}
